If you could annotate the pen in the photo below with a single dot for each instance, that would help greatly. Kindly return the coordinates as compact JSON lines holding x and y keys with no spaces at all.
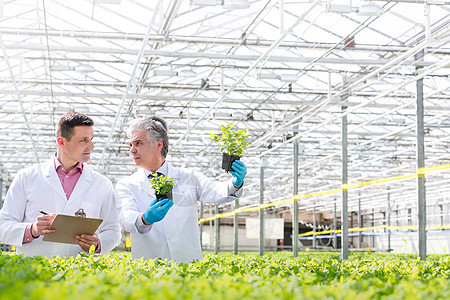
{"x":43,"y":212}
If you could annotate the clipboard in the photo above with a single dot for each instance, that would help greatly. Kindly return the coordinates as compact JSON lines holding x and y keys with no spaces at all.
{"x":67,"y":227}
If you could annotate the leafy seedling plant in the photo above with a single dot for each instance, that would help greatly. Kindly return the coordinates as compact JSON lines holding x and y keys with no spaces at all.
{"x":162,"y":185}
{"x":231,"y":143}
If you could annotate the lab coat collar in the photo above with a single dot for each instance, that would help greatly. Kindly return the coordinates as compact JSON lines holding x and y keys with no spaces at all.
{"x":52,"y":179}
{"x":83,"y":182}
{"x":163,"y":169}
{"x":144,"y":184}
{"x":173,"y":172}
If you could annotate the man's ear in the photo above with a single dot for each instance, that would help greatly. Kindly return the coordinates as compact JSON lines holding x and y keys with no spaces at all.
{"x":160,"y":144}
{"x":61,"y":142}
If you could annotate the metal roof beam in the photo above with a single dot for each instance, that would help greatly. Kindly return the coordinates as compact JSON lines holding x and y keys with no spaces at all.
{"x":176,"y":39}
{"x":204,"y":55}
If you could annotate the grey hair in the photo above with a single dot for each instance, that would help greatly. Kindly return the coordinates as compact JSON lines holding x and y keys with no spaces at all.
{"x":155,"y":131}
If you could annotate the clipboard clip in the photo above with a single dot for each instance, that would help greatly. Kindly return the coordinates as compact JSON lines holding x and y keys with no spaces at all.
{"x":80,"y":213}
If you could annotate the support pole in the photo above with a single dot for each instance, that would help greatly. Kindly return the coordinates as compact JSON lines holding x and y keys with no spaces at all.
{"x":201,"y":225}
{"x":314,"y":227}
{"x":397,"y":223}
{"x":389,"y":221}
{"x":216,"y":234}
{"x":261,"y":210}
{"x":409,"y":218}
{"x":335,"y":244}
{"x":295,"y":208}
{"x":212,"y":228}
{"x":359,"y":223}
{"x":421,"y":197}
{"x":344,"y":214}
{"x":372,"y":238}
{"x":236,"y":228}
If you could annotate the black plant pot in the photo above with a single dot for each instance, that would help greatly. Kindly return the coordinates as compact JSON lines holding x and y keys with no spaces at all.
{"x":227,"y":161}
{"x":167,"y":195}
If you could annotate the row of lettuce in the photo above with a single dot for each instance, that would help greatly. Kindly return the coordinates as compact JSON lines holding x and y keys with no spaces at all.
{"x":247,"y":276}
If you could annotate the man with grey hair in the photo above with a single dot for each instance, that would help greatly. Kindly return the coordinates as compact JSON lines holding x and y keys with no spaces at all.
{"x":167,"y":229}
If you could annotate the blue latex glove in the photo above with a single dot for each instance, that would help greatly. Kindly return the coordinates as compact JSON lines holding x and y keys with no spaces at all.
{"x":240,"y":170}
{"x":156,"y":211}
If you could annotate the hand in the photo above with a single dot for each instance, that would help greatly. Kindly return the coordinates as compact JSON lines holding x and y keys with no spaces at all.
{"x":86,"y":241}
{"x":240,"y":170}
{"x":40,"y":227}
{"x":156,"y":211}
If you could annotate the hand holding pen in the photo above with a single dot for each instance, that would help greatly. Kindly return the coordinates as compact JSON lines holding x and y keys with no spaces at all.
{"x":41,"y":225}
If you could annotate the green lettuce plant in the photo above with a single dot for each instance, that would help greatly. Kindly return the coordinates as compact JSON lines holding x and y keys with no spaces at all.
{"x":161,"y":184}
{"x":316,"y":275}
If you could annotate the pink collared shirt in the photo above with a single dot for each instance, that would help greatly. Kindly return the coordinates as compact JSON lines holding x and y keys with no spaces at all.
{"x":68,"y":182}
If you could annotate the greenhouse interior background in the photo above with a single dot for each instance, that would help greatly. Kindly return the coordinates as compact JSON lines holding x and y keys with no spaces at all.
{"x":347,"y":106}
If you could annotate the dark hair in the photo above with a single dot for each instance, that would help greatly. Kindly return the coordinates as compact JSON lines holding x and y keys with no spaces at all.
{"x":69,"y":121}
{"x":156,"y":130}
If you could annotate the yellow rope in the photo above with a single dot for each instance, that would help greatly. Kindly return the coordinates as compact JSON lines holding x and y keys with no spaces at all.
{"x":420,"y":173}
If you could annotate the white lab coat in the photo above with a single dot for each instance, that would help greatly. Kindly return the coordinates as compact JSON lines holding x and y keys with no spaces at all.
{"x":39,"y":188}
{"x":176,"y":237}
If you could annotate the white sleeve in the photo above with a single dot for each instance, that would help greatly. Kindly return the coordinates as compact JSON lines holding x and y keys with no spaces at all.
{"x":141,"y":226}
{"x":129,"y":214}
{"x":234,"y":191}
{"x":109,"y":232}
{"x":211,"y":191}
{"x":12,"y":214}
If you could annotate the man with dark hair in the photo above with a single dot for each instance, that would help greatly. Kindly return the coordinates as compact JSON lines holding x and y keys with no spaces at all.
{"x":67,"y":123}
{"x":64,"y":184}
{"x":166,"y":229}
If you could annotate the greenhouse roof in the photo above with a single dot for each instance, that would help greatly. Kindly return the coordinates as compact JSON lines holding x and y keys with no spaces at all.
{"x":289,"y":71}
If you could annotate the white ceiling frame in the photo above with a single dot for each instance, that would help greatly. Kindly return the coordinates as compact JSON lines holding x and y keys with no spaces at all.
{"x":174,"y":39}
{"x":130,"y":85}
{"x":19,"y":98}
{"x":203,"y":55}
{"x":354,"y":86}
{"x":265,"y":57}
{"x":337,"y":153}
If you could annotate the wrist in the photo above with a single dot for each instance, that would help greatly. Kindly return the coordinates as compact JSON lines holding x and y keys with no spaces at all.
{"x":238,"y":186}
{"x":143,"y":220}
{"x":31,"y":232}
